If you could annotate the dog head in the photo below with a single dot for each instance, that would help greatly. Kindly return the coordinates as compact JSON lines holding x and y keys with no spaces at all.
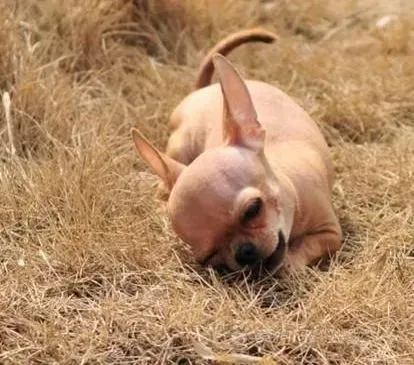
{"x":227,"y":204}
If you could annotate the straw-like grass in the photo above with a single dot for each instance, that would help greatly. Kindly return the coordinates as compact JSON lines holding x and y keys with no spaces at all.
{"x":90,"y":271}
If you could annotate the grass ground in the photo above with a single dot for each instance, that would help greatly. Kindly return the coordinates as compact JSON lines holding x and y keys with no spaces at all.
{"x":90,"y":271}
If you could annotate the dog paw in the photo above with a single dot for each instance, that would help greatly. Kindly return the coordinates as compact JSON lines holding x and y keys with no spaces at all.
{"x":295,"y":263}
{"x":162,"y":193}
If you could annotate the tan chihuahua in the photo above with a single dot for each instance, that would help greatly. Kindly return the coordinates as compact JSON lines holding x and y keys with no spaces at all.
{"x":248,"y":172}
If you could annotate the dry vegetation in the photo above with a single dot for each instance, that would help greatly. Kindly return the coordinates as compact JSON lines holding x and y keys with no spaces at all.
{"x":90,"y":271}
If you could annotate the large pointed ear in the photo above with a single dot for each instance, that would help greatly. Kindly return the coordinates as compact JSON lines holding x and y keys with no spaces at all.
{"x":165,"y":167}
{"x":240,"y":124}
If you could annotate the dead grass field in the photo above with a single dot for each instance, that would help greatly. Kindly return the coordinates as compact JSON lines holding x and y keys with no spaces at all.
{"x":90,"y":271}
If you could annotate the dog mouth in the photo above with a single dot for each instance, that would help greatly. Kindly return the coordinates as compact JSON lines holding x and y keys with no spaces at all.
{"x":271,"y":264}
{"x":274,"y":261}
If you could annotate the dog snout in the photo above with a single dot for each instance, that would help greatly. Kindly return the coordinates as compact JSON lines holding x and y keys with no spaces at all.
{"x":247,"y":254}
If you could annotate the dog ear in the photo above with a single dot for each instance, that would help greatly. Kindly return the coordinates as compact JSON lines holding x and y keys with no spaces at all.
{"x":240,"y":124}
{"x":165,"y":167}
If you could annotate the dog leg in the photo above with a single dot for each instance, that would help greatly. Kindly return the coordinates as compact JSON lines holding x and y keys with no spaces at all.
{"x":306,"y":250}
{"x":178,"y":150}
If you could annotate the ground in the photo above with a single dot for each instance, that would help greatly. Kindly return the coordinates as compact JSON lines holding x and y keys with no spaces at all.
{"x":90,"y":270}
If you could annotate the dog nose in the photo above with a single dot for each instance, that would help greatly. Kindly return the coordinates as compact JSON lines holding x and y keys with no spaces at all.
{"x":247,"y":254}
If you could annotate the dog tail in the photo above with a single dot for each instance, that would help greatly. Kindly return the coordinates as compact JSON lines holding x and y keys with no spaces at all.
{"x":232,"y":41}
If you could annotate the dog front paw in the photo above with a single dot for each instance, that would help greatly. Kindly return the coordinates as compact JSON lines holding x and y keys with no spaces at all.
{"x":295,"y":262}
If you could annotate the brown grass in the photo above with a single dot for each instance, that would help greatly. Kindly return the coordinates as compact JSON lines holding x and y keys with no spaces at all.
{"x":91,"y":272}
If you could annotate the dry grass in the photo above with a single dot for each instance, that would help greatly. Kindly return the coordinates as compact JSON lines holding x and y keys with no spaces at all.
{"x":90,"y":271}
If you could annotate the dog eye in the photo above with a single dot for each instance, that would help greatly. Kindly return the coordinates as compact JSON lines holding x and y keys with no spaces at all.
{"x":252,"y":211}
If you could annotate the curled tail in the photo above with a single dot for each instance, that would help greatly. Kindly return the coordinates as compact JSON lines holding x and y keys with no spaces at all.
{"x":232,"y":41}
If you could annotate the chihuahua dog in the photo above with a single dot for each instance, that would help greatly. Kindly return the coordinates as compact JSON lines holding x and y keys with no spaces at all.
{"x":248,"y":173}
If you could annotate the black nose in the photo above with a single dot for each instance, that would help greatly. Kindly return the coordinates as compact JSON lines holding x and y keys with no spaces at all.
{"x":247,"y":254}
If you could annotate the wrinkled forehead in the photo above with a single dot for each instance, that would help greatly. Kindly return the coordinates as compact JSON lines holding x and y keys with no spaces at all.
{"x":220,"y":173}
